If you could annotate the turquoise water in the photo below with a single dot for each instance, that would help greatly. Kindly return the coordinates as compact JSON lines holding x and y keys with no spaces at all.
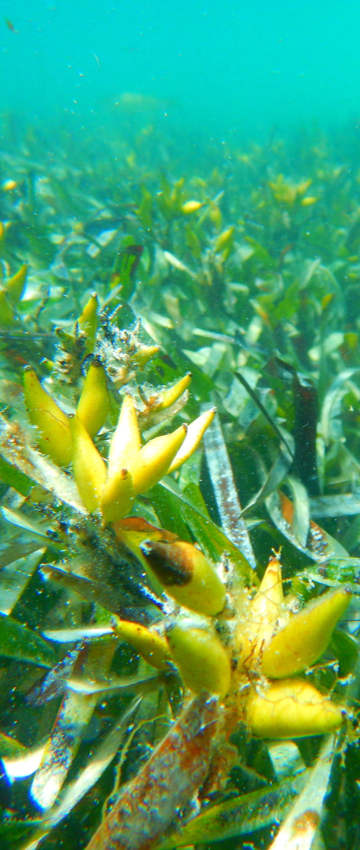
{"x":196,"y":167}
{"x":248,"y":67}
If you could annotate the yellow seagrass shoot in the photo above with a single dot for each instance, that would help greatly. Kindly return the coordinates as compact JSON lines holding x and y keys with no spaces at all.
{"x":252,"y":659}
{"x":274,"y":644}
{"x":132,"y":467}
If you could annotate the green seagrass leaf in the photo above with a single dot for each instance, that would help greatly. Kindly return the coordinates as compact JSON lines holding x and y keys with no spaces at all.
{"x":239,"y":815}
{"x":10,"y":746}
{"x":17,"y":641}
{"x":14,"y":832}
{"x":303,"y":819}
{"x":14,"y":478}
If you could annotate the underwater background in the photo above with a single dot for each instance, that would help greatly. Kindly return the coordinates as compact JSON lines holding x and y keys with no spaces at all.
{"x":212,"y":67}
{"x":179,"y":424}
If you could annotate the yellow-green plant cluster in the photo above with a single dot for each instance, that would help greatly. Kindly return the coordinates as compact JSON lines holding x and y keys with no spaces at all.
{"x":253,"y":657}
{"x":132,"y":467}
{"x":254,"y":663}
{"x":249,"y":649}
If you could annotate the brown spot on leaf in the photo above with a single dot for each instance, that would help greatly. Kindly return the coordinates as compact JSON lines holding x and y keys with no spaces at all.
{"x":308,"y":820}
{"x":168,"y":562}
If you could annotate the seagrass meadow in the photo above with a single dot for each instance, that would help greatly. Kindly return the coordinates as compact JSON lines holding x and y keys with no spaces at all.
{"x":180,"y":490}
